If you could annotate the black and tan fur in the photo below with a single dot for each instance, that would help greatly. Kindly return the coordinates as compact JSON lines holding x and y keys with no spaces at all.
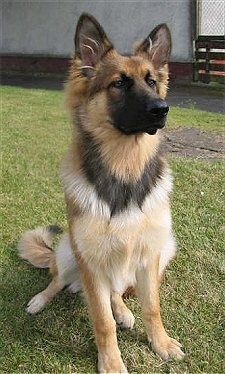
{"x":117,"y":186}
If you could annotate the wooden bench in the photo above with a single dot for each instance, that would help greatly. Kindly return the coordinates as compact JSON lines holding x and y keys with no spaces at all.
{"x":209,"y":62}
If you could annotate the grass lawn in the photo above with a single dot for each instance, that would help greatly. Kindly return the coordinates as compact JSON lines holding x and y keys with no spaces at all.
{"x":35,"y":135}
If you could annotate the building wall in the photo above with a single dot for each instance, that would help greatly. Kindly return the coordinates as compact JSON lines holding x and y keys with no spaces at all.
{"x":46,"y":28}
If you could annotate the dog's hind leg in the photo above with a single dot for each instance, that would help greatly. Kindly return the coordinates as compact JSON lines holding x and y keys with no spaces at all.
{"x":123,"y":316}
{"x":38,"y":302}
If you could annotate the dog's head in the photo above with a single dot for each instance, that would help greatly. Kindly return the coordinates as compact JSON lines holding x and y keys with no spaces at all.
{"x":133,"y":87}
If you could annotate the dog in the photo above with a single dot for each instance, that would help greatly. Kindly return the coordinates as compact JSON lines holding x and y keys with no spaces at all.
{"x":117,"y":187}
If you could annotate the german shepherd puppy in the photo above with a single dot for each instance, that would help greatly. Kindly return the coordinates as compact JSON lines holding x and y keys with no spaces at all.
{"x":117,"y":186}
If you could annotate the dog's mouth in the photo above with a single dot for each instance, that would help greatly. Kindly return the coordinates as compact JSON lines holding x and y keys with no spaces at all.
{"x":149,"y":129}
{"x":152,"y":131}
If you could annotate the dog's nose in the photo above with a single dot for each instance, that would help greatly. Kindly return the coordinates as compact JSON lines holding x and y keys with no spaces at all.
{"x":159,"y":111}
{"x":158,"y":108}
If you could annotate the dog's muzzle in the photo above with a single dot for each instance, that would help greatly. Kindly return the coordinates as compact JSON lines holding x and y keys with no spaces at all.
{"x":149,"y":120}
{"x":158,"y":111}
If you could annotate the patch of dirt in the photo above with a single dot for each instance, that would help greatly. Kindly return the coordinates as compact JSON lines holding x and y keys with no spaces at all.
{"x":192,"y":142}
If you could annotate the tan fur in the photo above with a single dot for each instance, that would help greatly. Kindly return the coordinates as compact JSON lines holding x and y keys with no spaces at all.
{"x":149,"y":298}
{"x":123,"y":316}
{"x":124,"y":164}
{"x":39,"y":301}
{"x":96,"y":264}
{"x":98,"y":298}
{"x":33,"y":247}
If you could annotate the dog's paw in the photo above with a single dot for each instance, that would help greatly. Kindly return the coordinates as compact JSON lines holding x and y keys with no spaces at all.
{"x":122,"y":315}
{"x":36,"y":304}
{"x":167,"y":348}
{"x":111,"y":363}
{"x":125,"y":319}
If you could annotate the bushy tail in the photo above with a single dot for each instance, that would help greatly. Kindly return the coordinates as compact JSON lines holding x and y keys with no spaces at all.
{"x":35,"y":246}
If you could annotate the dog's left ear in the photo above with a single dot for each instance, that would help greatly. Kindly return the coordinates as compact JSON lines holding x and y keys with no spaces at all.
{"x":91,"y":42}
{"x":157,"y":46}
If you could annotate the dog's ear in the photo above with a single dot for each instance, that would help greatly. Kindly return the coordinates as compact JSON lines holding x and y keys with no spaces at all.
{"x":157,"y":46}
{"x":91,"y":42}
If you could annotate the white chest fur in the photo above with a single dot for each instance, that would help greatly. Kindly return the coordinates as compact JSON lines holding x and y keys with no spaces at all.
{"x":120,"y":245}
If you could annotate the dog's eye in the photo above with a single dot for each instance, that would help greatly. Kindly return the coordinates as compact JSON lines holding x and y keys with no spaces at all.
{"x":118,"y":83}
{"x":122,"y":82}
{"x":150,"y":81}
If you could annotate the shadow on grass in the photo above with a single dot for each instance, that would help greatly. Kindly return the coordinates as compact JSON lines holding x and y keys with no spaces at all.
{"x":47,"y":82}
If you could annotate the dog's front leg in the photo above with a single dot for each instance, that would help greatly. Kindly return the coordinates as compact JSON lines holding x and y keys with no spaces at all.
{"x":97,"y":292}
{"x":148,"y":293}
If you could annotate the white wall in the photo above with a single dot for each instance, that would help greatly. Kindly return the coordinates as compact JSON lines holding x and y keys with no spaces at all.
{"x":47,"y":27}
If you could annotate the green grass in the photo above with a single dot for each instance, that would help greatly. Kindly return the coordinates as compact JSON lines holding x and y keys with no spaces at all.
{"x":35,"y":135}
{"x":207,"y":121}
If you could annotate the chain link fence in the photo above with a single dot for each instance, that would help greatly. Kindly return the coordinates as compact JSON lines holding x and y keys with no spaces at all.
{"x":211,"y":17}
{"x":209,"y":62}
